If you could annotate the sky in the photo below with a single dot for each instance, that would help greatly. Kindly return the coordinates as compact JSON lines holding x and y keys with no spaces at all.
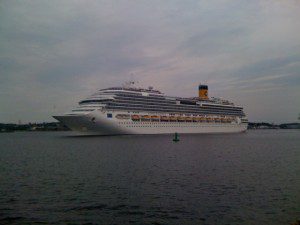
{"x":55,"y":53}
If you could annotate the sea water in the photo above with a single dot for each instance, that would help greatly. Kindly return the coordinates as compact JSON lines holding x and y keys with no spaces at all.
{"x":245,"y":178}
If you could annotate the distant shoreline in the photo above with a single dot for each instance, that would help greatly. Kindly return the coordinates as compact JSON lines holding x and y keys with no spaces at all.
{"x":57,"y":126}
{"x":52,"y":126}
{"x":264,"y":125}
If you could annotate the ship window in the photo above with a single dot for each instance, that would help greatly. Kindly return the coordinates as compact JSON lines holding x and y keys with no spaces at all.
{"x":109,"y":115}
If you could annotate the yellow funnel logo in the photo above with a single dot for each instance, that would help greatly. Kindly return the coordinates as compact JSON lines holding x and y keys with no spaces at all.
{"x":203,"y":92}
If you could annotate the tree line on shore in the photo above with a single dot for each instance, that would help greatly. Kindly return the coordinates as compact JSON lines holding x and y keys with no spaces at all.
{"x":57,"y":126}
{"x":264,"y":125}
{"x":50,"y":126}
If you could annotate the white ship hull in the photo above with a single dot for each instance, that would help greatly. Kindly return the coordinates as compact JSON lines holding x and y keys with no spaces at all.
{"x":97,"y":123}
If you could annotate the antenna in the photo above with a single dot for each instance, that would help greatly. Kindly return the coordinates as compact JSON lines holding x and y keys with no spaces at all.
{"x":128,"y":84}
{"x":131,"y":76}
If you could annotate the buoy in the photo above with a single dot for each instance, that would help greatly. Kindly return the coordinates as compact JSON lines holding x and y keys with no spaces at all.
{"x":176,"y":138}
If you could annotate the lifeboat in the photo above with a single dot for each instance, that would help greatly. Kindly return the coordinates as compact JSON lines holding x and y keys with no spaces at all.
{"x":180,"y":119}
{"x":122,"y":116}
{"x":146,"y":117}
{"x":202,"y":119}
{"x":173,"y":118}
{"x":209,"y":119}
{"x":188,"y":119}
{"x":196,"y":119}
{"x":155,"y":118}
{"x":135,"y":117}
{"x":223,"y":120}
{"x":164,"y":118}
{"x":217,"y":119}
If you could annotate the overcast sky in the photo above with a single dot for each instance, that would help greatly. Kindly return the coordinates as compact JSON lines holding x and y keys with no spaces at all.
{"x":54,"y":53}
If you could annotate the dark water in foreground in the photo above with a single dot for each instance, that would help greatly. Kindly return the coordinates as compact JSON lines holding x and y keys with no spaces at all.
{"x":249,"y":178}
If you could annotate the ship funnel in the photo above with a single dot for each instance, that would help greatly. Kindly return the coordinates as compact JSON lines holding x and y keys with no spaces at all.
{"x":203,"y":91}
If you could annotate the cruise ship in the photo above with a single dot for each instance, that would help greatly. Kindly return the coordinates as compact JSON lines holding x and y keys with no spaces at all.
{"x":133,"y":110}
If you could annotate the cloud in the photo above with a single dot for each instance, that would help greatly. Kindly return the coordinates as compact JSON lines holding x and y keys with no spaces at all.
{"x":54,"y":53}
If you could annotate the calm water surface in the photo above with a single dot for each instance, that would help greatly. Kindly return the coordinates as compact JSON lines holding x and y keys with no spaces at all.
{"x":248,"y":178}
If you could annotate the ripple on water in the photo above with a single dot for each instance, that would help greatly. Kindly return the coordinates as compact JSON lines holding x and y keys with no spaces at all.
{"x":217,"y":179}
{"x":88,"y":207}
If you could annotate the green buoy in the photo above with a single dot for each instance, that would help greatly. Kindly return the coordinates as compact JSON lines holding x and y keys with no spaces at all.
{"x":176,"y":138}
